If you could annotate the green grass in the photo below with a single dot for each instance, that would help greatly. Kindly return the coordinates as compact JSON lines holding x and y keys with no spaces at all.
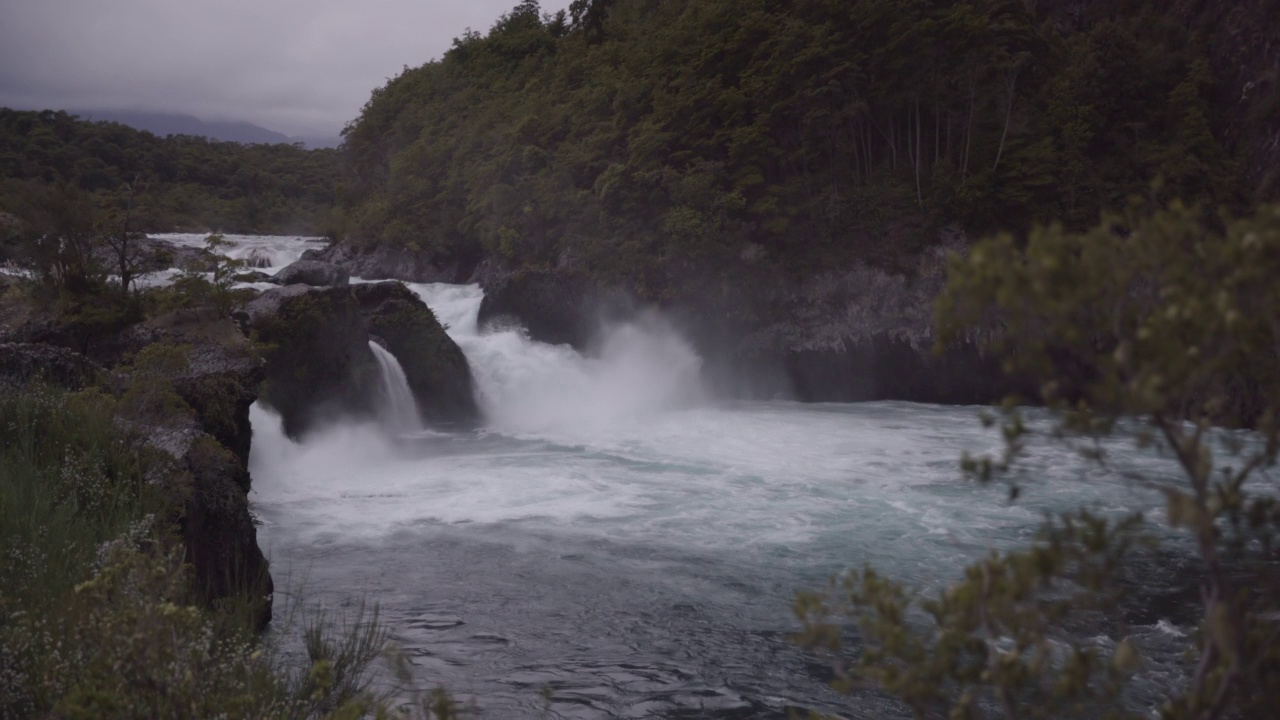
{"x":69,"y":482}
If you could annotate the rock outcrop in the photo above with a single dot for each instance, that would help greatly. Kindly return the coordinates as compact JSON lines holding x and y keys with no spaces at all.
{"x":385,"y":262}
{"x":312,"y":272}
{"x":218,"y":532}
{"x":319,"y":365}
{"x":207,"y":445}
{"x":865,"y":334}
{"x":555,"y":307}
{"x":318,"y":362}
{"x":434,"y":365}
{"x":21,"y":363}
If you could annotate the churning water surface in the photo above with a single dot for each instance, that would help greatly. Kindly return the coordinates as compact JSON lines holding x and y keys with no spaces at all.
{"x":617,"y":543}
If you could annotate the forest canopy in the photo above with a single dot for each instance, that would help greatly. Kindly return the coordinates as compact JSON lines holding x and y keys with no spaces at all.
{"x":184,"y":182}
{"x":811,"y":132}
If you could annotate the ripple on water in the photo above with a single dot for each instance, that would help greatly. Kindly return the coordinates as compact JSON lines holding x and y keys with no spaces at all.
{"x":642,"y":564}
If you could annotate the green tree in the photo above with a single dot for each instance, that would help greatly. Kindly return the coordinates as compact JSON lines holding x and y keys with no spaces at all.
{"x":1161,"y":328}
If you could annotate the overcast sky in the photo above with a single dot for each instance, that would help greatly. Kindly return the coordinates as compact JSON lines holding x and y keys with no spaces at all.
{"x":296,"y":66}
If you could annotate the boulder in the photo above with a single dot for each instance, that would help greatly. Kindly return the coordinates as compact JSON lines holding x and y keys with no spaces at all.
{"x":161,"y":255}
{"x":318,"y":362}
{"x":555,"y":307}
{"x":433,"y":363}
{"x":313,"y":272}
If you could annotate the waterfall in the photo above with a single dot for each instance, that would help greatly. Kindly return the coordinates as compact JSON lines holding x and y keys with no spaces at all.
{"x":400,"y":409}
{"x":636,"y":369}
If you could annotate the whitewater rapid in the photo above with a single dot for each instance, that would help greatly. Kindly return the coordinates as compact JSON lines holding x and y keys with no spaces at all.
{"x":620,"y":538}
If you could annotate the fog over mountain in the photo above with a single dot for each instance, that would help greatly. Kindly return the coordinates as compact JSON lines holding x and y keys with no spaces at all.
{"x":303,"y":68}
{"x":163,"y":124}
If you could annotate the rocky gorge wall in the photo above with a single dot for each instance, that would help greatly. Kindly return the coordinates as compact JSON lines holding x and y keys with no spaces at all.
{"x":842,"y":335}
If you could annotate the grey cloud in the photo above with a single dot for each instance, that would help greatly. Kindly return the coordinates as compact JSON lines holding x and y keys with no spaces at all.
{"x":297,"y":66}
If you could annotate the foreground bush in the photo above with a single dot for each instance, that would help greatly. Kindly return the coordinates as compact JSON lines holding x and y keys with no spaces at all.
{"x":1161,"y":328}
{"x":98,"y":618}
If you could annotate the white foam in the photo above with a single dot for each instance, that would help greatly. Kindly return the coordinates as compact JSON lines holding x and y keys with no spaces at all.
{"x":276,"y":251}
{"x":641,"y":368}
{"x":625,"y":444}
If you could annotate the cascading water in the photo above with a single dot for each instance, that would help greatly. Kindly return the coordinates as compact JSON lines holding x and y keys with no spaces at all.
{"x":622,"y":541}
{"x":640,"y":368}
{"x":399,"y":407}
{"x":264,"y":253}
{"x":267,"y":253}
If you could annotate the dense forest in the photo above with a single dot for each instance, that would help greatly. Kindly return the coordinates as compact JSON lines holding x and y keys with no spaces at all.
{"x":179,"y":182}
{"x":807,"y":133}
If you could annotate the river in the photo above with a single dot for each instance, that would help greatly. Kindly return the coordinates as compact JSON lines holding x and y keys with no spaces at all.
{"x":617,"y":542}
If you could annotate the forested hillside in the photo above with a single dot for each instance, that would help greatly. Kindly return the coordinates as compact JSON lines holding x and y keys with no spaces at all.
{"x":803,"y":134}
{"x":179,"y":182}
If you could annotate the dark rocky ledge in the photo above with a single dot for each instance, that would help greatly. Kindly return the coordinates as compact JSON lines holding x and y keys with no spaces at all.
{"x":318,"y":363}
{"x":312,"y":272}
{"x":385,"y":262}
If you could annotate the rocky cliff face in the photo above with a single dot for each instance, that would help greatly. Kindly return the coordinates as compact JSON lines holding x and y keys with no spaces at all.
{"x":199,"y":444}
{"x":185,"y":381}
{"x":209,"y":449}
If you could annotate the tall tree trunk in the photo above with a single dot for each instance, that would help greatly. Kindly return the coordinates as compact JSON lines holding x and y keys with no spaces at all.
{"x":948,"y":135}
{"x":893,"y":150}
{"x":1011,"y":81}
{"x":893,"y":142}
{"x":937,"y":130}
{"x":968,"y":127}
{"x":919,"y":152}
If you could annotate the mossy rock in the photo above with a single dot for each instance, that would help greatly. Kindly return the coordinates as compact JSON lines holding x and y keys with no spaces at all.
{"x":433,"y":363}
{"x":318,"y":362}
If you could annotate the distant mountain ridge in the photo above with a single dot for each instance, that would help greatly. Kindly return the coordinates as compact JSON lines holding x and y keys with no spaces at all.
{"x":164,"y":124}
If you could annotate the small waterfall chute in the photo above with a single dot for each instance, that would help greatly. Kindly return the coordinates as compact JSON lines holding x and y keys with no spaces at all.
{"x":399,"y":407}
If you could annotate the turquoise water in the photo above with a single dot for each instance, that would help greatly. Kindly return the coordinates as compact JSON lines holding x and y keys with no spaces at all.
{"x":621,"y":539}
